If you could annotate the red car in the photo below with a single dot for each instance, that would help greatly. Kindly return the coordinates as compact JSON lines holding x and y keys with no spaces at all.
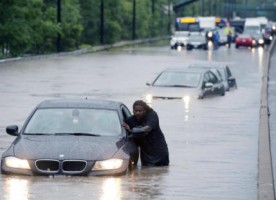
{"x":245,"y":40}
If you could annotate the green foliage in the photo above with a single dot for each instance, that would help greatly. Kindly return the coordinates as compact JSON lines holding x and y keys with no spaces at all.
{"x":70,"y":25}
{"x":30,"y":26}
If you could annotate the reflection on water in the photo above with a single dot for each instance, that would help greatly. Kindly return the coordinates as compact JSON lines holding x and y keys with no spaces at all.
{"x":261,"y":57}
{"x":186,"y":110}
{"x":111,"y":189}
{"x":210,"y":51}
{"x":16,"y":188}
{"x":147,"y":182}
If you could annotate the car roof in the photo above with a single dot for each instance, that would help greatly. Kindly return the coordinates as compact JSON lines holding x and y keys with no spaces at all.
{"x":208,"y":65}
{"x":80,"y":103}
{"x":197,"y":70}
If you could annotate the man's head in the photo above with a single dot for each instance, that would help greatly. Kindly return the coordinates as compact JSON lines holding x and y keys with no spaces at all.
{"x":140,"y":108}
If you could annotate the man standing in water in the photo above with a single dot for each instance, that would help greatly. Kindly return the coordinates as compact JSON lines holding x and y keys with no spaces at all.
{"x":144,"y":128}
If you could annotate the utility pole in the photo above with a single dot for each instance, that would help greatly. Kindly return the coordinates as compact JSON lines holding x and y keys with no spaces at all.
{"x":169,"y":16}
{"x":152,"y":6}
{"x":58,"y":42}
{"x":209,"y":8}
{"x":134,"y":20}
{"x":202,"y":7}
{"x":102,"y":22}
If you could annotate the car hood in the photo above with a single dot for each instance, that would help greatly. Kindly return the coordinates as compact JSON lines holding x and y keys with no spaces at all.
{"x":66,"y":147}
{"x":172,"y":92}
{"x":196,"y":41}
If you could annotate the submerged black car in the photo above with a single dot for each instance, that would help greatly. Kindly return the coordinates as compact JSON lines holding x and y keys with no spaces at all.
{"x":71,"y":137}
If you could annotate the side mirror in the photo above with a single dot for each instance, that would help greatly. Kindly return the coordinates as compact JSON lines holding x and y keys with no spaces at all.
{"x":12,"y":130}
{"x":231,"y":78}
{"x":209,"y":85}
{"x":138,"y":132}
{"x":148,"y":84}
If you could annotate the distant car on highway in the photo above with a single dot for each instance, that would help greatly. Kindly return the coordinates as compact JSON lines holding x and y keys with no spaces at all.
{"x":179,"y":39}
{"x":258,"y":36}
{"x":245,"y":40}
{"x":71,"y":137}
{"x":223,"y":71}
{"x":197,"y":41}
{"x":184,"y":84}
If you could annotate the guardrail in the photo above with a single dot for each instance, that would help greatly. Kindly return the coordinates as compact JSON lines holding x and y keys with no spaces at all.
{"x":265,"y":176}
{"x":89,"y":50}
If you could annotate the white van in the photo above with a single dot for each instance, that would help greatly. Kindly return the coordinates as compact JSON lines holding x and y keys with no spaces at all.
{"x":252,"y":25}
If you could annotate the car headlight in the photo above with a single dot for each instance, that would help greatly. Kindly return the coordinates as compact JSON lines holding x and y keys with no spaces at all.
{"x":110,"y":164}
{"x":210,"y":34}
{"x":14,"y":162}
{"x":148,"y":98}
{"x":253,"y":42}
{"x":261,"y":41}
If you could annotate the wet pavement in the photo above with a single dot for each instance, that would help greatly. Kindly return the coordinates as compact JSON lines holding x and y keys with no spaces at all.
{"x":213,"y":142}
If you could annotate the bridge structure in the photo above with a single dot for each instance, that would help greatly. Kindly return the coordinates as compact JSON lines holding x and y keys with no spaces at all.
{"x":230,"y":8}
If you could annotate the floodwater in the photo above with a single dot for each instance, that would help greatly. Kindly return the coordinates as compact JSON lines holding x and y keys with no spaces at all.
{"x":213,"y":143}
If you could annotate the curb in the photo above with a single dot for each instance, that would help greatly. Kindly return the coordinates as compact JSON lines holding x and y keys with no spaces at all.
{"x":265,"y":175}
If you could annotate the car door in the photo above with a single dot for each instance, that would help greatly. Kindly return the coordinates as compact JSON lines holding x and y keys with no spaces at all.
{"x":216,"y":88}
{"x":206,"y":89}
{"x":217,"y":84}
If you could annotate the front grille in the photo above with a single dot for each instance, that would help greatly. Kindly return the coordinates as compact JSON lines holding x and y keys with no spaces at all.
{"x":73,"y":165}
{"x":48,"y":166}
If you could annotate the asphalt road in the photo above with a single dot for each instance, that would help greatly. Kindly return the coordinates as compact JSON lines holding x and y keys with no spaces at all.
{"x":213,"y":142}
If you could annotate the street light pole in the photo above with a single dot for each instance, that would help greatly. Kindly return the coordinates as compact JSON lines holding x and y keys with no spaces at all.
{"x":134,"y":20}
{"x":202,"y":7}
{"x":102,"y":22}
{"x":58,"y":42}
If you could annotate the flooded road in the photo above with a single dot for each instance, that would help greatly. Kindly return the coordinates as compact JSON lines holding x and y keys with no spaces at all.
{"x":213,"y":143}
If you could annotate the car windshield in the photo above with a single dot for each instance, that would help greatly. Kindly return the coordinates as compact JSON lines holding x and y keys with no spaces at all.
{"x":196,"y":38}
{"x":178,"y":79}
{"x":181,"y":34}
{"x":244,"y":36}
{"x":94,"y":122}
{"x":222,"y":73}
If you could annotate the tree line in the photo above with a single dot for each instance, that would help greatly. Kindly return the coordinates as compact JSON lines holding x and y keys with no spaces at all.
{"x":33,"y":27}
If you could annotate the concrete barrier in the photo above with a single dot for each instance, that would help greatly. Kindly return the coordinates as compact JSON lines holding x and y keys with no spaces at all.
{"x":265,"y":175}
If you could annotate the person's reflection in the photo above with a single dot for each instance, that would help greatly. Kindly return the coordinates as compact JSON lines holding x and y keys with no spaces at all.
{"x":16,"y":188}
{"x":139,"y":180}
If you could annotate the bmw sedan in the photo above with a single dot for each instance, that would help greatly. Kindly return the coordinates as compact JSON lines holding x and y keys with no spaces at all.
{"x":184,"y":84}
{"x":71,"y":137}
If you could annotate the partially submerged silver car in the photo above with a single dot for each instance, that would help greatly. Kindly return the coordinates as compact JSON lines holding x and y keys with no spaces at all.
{"x":223,"y":71}
{"x":184,"y":84}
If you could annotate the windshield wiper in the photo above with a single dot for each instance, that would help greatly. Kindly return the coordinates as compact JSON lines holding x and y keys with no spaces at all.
{"x":186,"y":86}
{"x":84,"y":134}
{"x":37,"y":134}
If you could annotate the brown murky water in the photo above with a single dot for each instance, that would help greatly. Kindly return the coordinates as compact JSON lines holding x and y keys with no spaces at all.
{"x":213,"y":142}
